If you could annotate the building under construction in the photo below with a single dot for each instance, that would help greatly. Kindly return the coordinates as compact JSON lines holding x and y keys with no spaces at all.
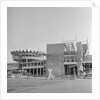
{"x":31,"y":62}
{"x":61,"y":58}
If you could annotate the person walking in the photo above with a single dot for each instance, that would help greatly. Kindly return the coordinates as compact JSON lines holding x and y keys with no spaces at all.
{"x":50,"y":76}
{"x":74,"y":73}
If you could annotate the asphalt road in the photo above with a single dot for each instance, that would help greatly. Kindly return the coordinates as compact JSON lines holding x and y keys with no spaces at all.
{"x":43,"y":85}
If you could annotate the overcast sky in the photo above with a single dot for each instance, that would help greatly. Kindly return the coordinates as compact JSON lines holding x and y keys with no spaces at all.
{"x":35,"y":27}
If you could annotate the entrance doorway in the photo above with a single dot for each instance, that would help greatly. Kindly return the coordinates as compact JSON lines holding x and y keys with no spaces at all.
{"x":69,"y":69}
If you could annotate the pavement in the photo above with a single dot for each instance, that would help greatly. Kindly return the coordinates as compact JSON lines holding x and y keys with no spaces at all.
{"x":43,"y":85}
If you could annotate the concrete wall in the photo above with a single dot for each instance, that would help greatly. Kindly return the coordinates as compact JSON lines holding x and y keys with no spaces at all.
{"x":88,"y":58}
{"x":55,"y":59}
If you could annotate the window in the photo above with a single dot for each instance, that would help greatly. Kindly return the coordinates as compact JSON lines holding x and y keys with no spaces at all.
{"x":41,"y":63}
{"x":72,"y":60}
{"x":35,"y":64}
{"x":90,"y":65}
{"x":87,"y":65}
{"x":44,"y":62}
{"x":38,"y":63}
{"x":24,"y":64}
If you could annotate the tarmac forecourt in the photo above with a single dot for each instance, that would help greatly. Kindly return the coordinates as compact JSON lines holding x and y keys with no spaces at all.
{"x":43,"y":85}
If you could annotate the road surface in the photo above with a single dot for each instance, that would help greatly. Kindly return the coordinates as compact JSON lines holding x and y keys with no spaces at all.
{"x":43,"y":85}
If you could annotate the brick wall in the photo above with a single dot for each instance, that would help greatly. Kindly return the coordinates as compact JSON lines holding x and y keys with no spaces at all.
{"x":55,"y":58}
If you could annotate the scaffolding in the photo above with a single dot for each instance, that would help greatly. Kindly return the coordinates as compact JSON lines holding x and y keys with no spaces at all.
{"x":70,"y":47}
{"x":79,"y":49}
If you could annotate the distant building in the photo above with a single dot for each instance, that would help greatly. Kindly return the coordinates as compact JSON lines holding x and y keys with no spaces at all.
{"x":12,"y":66}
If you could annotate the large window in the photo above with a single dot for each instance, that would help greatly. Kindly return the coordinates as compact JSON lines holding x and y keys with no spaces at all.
{"x":87,"y":65}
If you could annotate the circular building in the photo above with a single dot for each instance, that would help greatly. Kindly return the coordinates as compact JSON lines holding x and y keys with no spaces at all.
{"x":32,"y":62}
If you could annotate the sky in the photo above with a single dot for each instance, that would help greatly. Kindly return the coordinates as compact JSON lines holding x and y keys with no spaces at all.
{"x":35,"y":27}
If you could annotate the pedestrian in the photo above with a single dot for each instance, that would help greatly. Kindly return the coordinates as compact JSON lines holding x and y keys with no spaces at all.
{"x":50,"y":76}
{"x":75,"y":73}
